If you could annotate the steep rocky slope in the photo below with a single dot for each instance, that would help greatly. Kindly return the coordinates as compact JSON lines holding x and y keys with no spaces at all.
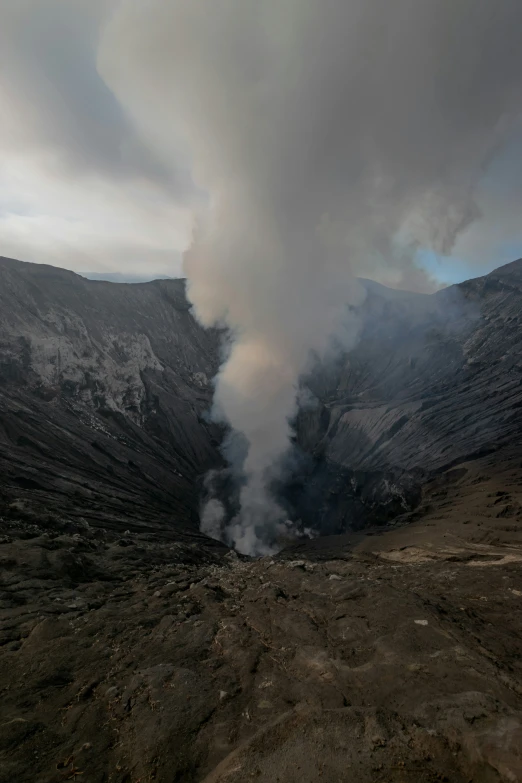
{"x":103,"y":391}
{"x":433,"y":380}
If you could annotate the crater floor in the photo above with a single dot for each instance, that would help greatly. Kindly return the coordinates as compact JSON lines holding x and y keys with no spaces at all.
{"x":388,"y":657}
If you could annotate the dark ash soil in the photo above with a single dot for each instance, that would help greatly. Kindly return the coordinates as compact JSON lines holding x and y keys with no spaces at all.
{"x":387,"y":657}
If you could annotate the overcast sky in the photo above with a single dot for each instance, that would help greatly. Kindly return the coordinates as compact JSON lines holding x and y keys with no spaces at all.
{"x":79,"y":188}
{"x":88,"y":184}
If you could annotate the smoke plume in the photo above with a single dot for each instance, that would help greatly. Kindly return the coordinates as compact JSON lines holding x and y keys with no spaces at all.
{"x":334,"y":138}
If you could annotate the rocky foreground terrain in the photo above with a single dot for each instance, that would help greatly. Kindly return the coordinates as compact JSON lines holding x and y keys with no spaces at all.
{"x":386,"y":657}
{"x":134,"y":649}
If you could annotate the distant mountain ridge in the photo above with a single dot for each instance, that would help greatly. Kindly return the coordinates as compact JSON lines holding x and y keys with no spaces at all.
{"x":123,"y":277}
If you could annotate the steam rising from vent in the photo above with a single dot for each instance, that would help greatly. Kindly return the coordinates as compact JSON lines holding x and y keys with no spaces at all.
{"x":334,"y":138}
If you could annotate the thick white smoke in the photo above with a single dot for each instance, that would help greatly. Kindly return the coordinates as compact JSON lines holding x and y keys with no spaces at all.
{"x":333,"y":138}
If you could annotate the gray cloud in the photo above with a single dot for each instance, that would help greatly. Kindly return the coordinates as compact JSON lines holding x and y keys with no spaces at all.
{"x":79,"y":187}
{"x":59,"y":104}
{"x":334,"y":138}
{"x":497,"y":237}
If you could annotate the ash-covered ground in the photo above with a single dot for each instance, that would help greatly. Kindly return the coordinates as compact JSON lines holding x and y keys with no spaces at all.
{"x":395,"y":656}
